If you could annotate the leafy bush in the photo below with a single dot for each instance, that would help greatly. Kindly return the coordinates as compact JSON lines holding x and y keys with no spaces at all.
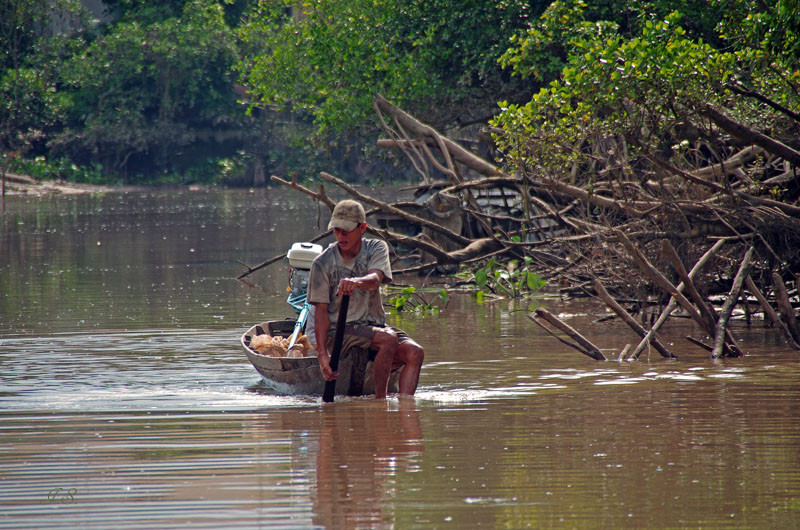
{"x":506,"y":280}
{"x":410,"y":299}
{"x":636,"y":87}
{"x":633,"y":92}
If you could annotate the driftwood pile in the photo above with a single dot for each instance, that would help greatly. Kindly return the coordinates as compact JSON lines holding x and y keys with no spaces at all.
{"x":628,"y":240}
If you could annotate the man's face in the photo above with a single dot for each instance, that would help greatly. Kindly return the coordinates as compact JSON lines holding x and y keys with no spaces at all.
{"x":349,"y":242}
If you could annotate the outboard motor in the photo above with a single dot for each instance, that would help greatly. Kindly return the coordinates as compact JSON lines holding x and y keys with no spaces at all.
{"x":300,"y":257}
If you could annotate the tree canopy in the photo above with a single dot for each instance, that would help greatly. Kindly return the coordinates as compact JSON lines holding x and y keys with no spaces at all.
{"x":134,"y":97}
{"x":149,"y":90}
{"x":328,"y":59}
{"x":655,"y":91}
{"x":152,"y":88}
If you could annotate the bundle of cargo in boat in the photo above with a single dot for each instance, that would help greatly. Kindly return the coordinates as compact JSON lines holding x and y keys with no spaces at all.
{"x":279,"y":346}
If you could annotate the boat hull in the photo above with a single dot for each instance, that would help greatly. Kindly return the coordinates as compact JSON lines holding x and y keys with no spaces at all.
{"x":301,"y":375}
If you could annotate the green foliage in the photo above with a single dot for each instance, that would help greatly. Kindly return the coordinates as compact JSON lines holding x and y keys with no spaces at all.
{"x":507,"y":280}
{"x":28,"y":105}
{"x":542,"y":52}
{"x":409,"y":299}
{"x":766,"y":44}
{"x":643,"y":85}
{"x":327,"y":62}
{"x":144,"y":11}
{"x":543,"y":49}
{"x":29,"y":102}
{"x":328,"y":59}
{"x":773,"y":31}
{"x":22,"y":25}
{"x":145,"y":91}
{"x":639,"y":88}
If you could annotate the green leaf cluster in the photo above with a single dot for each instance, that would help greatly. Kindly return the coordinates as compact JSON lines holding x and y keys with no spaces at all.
{"x":41,"y":168}
{"x":409,"y":299}
{"x":513,"y":279}
{"x":766,"y":44}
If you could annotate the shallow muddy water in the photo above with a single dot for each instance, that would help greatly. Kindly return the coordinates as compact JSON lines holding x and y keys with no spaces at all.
{"x":126,"y":402}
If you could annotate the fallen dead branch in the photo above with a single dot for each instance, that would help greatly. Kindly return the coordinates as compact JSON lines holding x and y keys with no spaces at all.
{"x":250,"y":270}
{"x":658,"y":278}
{"x":771,"y":313}
{"x":672,"y":302}
{"x":626,"y":224}
{"x":785,"y":307}
{"x":581,"y":344}
{"x":628,"y":319}
{"x":724,"y":315}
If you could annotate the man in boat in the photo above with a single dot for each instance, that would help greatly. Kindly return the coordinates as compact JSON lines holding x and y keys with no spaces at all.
{"x":357,"y":267}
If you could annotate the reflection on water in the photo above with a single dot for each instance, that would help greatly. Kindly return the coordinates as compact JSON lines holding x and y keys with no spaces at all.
{"x":144,"y":259}
{"x":362,"y":448}
{"x":152,"y":470}
{"x":125,"y":401}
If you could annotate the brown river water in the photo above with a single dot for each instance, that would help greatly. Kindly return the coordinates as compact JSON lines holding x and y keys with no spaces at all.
{"x":127,"y":403}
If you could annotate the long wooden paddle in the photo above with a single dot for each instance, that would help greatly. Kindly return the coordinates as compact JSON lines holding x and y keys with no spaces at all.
{"x":338,"y":338}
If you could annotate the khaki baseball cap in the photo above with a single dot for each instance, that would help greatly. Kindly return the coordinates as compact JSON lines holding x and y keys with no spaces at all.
{"x":347,"y":215}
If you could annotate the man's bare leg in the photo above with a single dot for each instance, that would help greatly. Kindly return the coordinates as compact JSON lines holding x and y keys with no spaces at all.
{"x":411,"y":355}
{"x":385,"y":341}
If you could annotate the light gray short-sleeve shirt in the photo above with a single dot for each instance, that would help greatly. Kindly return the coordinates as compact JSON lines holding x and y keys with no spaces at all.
{"x":366,"y":307}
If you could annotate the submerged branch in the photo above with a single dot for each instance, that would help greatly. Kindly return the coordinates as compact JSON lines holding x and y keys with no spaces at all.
{"x":725,"y":313}
{"x":584,"y":345}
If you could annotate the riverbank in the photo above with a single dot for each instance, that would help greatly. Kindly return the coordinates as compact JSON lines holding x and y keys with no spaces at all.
{"x":16,"y":184}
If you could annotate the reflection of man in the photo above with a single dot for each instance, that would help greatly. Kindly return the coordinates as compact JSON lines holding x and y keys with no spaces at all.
{"x":357,"y":267}
{"x":361,"y":447}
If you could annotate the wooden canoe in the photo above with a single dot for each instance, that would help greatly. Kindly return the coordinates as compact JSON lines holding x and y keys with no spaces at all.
{"x":301,"y":375}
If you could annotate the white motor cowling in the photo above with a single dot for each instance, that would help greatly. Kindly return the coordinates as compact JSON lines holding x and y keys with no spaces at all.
{"x":300,"y":257}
